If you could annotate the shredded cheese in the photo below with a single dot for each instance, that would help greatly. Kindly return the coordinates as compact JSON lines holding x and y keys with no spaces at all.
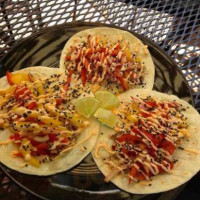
{"x":83,"y":149}
{"x":23,"y":164}
{"x":5,"y":142}
{"x":191,"y":150}
{"x":145,"y":182}
{"x":65,"y":150}
{"x":105,"y":146}
{"x":113,"y":165}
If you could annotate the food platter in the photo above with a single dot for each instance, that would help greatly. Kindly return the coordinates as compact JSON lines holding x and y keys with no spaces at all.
{"x":84,"y":180}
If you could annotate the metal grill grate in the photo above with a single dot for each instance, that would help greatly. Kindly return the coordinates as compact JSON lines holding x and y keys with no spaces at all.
{"x":174,"y":25}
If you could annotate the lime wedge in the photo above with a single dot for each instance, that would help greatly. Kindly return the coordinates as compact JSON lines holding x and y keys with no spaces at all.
{"x":106,"y":117}
{"x":87,"y":106}
{"x":108,"y":100}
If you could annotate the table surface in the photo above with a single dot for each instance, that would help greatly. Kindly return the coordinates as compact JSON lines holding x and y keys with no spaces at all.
{"x":174,"y":25}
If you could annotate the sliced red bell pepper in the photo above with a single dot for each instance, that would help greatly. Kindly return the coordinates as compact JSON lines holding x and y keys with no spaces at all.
{"x":83,"y":76}
{"x":117,"y":72}
{"x":102,"y":50}
{"x":172,"y":104}
{"x":59,"y":101}
{"x":52,"y":137}
{"x":171,"y":165}
{"x":168,"y":146}
{"x":9,"y":78}
{"x":133,"y":173}
{"x":123,"y":83}
{"x":15,"y":137}
{"x":86,"y":63}
{"x":131,"y":153}
{"x":144,"y":114}
{"x":161,"y":105}
{"x":113,"y":147}
{"x":128,"y":138}
{"x":68,"y":57}
{"x":124,"y":150}
{"x":166,"y":116}
{"x":41,"y":152}
{"x":128,"y":153}
{"x":42,"y":146}
{"x":34,"y":142}
{"x":161,"y":170}
{"x":156,"y":139}
{"x":117,"y":46}
{"x":32,"y":105}
{"x":33,"y":120}
{"x":136,"y":131}
{"x":140,"y":177}
{"x":151,"y":103}
{"x":65,"y":140}
{"x":89,"y":52}
{"x":20,"y":91}
{"x":67,"y":84}
{"x":151,"y":151}
{"x":115,"y":52}
{"x":19,"y":154}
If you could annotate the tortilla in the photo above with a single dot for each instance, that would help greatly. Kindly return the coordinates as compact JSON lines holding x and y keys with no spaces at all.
{"x":63,"y":162}
{"x":187,"y":166}
{"x":113,"y":35}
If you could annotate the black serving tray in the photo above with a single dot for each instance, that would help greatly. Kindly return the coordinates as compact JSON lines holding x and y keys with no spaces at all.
{"x":84,"y":181}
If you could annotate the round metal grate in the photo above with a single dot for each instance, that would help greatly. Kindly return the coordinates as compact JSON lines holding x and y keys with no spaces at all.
{"x":174,"y":25}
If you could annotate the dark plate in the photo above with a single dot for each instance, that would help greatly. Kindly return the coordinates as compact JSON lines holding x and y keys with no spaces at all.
{"x":83,"y":181}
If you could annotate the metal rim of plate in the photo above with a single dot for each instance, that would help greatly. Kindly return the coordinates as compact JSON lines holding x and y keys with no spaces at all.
{"x":76,"y":24}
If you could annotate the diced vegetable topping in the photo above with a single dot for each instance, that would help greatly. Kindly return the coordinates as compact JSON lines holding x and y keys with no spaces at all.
{"x":41,"y":123}
{"x":99,"y":61}
{"x":17,"y":78}
{"x":147,"y":134}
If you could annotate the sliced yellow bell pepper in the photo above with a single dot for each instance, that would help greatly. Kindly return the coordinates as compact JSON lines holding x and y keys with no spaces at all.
{"x":138,"y":59}
{"x":25,"y":149}
{"x":50,"y":121}
{"x":29,"y":113}
{"x":132,"y":118}
{"x":128,"y":55}
{"x":104,"y":42}
{"x":24,"y":126}
{"x":35,"y":162}
{"x":17,"y":78}
{"x":97,"y":40}
{"x":135,"y":106}
{"x":78,"y":121}
{"x":185,"y":132}
{"x":40,"y":89}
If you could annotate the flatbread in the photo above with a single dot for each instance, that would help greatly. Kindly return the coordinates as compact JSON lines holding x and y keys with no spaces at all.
{"x":185,"y":169}
{"x":60,"y":164}
{"x":113,"y":36}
